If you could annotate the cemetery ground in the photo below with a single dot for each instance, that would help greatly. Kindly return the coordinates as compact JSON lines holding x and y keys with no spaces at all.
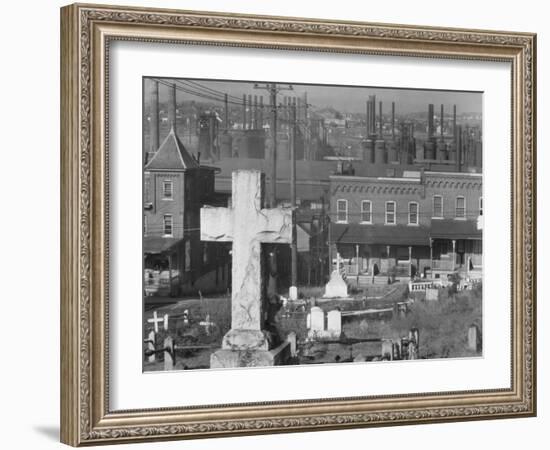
{"x":443,"y":324}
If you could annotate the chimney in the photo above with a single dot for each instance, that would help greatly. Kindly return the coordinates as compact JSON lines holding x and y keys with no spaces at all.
{"x":244,"y":111}
{"x":454,"y":121}
{"x":172,"y":107}
{"x":380,"y":118}
{"x":441,"y":121}
{"x":371,"y":116}
{"x":459,"y":149}
{"x":154,"y":120}
{"x":261,"y":115}
{"x":393,"y":120}
{"x":430,"y":121}
{"x":255,"y":112}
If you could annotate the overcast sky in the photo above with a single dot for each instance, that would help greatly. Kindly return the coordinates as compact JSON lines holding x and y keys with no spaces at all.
{"x":342,"y":98}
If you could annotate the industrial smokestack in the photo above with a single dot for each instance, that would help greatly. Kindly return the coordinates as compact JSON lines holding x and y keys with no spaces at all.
{"x":261,"y":115}
{"x":459,"y":148}
{"x":244,"y":111}
{"x":255,"y":112}
{"x":380,"y":119}
{"x":454,"y":121}
{"x":154,"y":120}
{"x":393,"y":120}
{"x":371,"y":116}
{"x":441,"y":121}
{"x":430,"y":120}
{"x":172,"y":107}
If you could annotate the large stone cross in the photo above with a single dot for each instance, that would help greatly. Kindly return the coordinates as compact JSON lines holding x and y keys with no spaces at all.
{"x":247,"y":225}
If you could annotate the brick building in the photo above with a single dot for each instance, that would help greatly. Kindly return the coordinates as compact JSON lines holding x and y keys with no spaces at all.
{"x":176,"y":186}
{"x":415,"y":222}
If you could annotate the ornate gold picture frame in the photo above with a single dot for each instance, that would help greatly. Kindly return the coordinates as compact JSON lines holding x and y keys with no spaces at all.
{"x":87,"y":31}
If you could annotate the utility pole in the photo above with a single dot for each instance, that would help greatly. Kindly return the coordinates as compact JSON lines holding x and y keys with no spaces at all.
{"x":273,"y":89}
{"x":226,"y":112}
{"x":307,"y":137}
{"x":293,"y":247}
{"x":244,"y":112}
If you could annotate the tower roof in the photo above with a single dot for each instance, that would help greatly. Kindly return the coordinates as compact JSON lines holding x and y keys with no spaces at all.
{"x":172,"y":155}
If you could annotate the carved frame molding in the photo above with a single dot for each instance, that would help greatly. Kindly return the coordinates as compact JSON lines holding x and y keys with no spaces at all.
{"x":86,"y":31}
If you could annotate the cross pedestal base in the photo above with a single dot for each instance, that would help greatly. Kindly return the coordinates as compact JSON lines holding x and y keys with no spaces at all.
{"x":244,"y":340}
{"x":251,"y":358}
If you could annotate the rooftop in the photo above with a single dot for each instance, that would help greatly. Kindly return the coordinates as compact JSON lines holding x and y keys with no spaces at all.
{"x":172,"y":155}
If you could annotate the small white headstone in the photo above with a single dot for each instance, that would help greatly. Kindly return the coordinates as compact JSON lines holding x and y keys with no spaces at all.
{"x":317,"y":319}
{"x":169,"y":354}
{"x":151,"y":346}
{"x":291,"y":339}
{"x":334,"y":323}
{"x":293,"y":293}
{"x":387,"y":348}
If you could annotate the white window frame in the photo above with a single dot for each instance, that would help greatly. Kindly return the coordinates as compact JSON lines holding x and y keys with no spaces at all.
{"x":171,"y":234}
{"x":434,"y":215}
{"x":417,"y":214}
{"x":369,"y":202}
{"x":457,"y":217}
{"x":338,"y":210}
{"x":164,"y":184}
{"x":480,"y":205}
{"x":394,"y":213}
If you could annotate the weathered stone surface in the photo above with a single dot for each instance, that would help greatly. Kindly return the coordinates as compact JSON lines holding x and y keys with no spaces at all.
{"x":387,"y":348}
{"x":317,"y":320}
{"x":247,"y":225}
{"x":336,"y":287}
{"x":250,"y":358}
{"x":291,"y":339}
{"x":334,"y":323}
{"x":317,"y":328}
{"x":293,"y":293}
{"x":151,"y":345}
{"x":169,"y":359}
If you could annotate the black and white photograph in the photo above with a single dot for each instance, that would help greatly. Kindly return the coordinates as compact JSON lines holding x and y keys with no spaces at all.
{"x":294,"y":224}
